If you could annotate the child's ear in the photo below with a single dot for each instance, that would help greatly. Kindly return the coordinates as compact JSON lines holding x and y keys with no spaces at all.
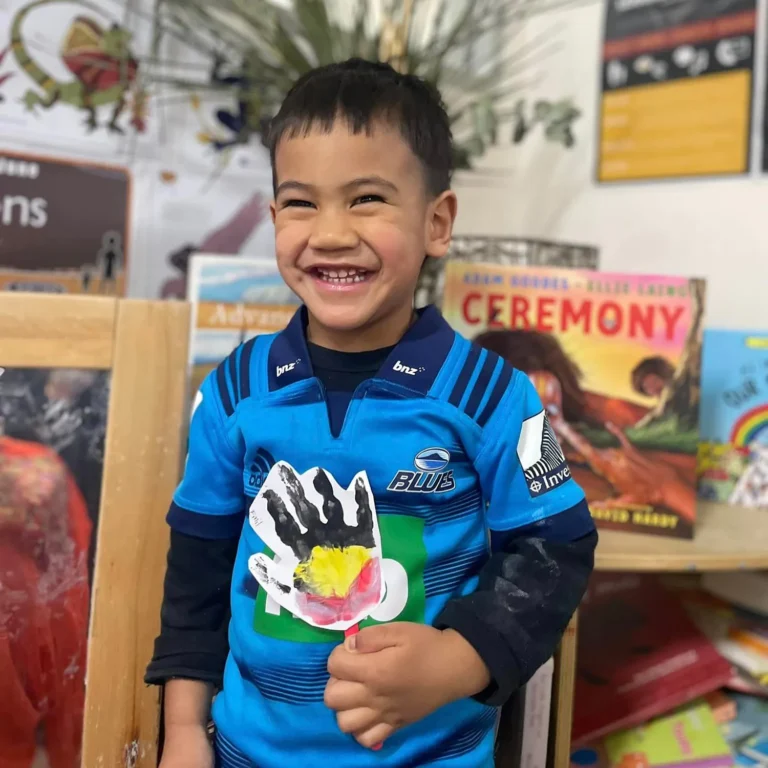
{"x":441,"y":215}
{"x":272,"y":211}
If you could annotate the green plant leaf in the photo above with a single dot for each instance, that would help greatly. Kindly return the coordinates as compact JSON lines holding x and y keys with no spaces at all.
{"x":292,"y":56}
{"x":322,"y":37}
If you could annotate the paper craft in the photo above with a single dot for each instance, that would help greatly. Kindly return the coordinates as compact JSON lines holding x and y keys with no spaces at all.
{"x":327,"y":564}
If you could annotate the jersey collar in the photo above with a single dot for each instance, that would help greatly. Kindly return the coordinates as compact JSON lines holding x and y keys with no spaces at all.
{"x":413,"y":363}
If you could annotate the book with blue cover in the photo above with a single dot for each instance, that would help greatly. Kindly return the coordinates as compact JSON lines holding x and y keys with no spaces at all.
{"x":233,"y":299}
{"x":733,"y":455}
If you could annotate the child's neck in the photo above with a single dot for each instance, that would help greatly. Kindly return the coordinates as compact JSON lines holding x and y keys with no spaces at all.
{"x":381,"y":333}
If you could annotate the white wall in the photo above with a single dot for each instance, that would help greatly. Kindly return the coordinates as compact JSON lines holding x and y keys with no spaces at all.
{"x":717,"y":229}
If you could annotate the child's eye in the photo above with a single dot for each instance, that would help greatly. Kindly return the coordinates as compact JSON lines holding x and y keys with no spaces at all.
{"x":368,"y":199}
{"x":295,"y":203}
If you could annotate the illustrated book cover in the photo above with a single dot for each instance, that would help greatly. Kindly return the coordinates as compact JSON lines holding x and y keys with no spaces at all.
{"x":733,"y":455}
{"x":690,"y":737}
{"x":233,"y":299}
{"x":616,"y":359}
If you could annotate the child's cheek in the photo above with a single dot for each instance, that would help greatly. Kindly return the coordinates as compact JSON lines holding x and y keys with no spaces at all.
{"x":290,"y":240}
{"x":391,"y":243}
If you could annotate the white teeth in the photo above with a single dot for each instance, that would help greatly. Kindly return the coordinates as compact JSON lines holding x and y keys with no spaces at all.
{"x":342,"y":276}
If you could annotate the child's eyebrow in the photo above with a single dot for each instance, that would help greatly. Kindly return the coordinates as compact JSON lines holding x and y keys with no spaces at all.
{"x":370,"y":181}
{"x":363,"y":181}
{"x":297,"y":185}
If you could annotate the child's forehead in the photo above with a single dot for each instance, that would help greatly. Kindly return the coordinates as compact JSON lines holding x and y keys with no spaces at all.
{"x":340,"y":146}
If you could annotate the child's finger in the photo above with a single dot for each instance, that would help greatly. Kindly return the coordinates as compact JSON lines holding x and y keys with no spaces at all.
{"x":351,"y":667}
{"x":358,"y":720}
{"x":375,"y":737}
{"x":341,"y":695}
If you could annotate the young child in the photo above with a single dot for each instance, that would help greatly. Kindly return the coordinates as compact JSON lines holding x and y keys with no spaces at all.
{"x":487,"y":543}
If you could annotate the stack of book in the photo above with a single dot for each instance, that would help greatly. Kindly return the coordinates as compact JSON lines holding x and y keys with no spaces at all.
{"x":684,"y":683}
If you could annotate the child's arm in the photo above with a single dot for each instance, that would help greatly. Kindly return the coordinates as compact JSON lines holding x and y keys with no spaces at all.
{"x":543,"y":542}
{"x":187,"y":707}
{"x":206,"y":517}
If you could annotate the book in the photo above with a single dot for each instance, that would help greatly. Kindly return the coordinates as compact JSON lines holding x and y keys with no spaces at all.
{"x":616,"y":359}
{"x":523,"y":738}
{"x":723,"y":706}
{"x":536,"y":715}
{"x":740,"y":636}
{"x":659,"y":661}
{"x":233,"y":299}
{"x":733,"y":456}
{"x":748,"y":733}
{"x":689,"y":738}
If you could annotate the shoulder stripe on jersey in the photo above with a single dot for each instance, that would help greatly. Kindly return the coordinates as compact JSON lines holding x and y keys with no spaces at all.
{"x":245,"y":368}
{"x":498,"y":392}
{"x":481,"y":385}
{"x":464,"y":377}
{"x":221,"y":380}
{"x":233,"y":380}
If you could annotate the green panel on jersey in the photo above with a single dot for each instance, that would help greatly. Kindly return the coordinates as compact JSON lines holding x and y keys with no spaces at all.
{"x":402,"y":540}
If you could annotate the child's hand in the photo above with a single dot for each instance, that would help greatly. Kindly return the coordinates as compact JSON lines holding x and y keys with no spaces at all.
{"x":392,"y":675}
{"x":187,"y":746}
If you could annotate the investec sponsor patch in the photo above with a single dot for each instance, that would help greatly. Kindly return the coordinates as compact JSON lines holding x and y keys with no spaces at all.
{"x":540,"y":456}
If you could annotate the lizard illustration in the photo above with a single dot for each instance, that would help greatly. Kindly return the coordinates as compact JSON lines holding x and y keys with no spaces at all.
{"x":100,"y":59}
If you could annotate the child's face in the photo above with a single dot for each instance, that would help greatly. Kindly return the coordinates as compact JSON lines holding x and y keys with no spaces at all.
{"x":353,"y":222}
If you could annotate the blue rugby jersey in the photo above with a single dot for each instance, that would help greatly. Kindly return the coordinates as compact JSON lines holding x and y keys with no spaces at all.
{"x":455,"y":444}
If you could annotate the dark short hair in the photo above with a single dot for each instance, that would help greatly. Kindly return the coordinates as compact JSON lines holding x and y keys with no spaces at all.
{"x":363,"y":93}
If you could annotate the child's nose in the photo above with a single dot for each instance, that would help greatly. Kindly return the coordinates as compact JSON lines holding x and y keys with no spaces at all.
{"x":332,"y":231}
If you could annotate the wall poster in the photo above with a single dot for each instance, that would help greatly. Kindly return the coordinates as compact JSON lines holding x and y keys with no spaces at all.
{"x":63,"y":225}
{"x":676,"y":89}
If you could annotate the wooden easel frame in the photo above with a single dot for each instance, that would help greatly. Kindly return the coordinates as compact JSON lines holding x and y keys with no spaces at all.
{"x":144,"y":346}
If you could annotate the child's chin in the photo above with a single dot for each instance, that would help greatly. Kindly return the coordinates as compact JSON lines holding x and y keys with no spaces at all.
{"x":342,"y":318}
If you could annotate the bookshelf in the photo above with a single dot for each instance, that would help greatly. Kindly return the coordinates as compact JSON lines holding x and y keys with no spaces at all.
{"x":727,"y":538}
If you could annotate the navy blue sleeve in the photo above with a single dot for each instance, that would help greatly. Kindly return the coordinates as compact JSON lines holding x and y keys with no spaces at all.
{"x":542,"y":546}
{"x":194,"y":620}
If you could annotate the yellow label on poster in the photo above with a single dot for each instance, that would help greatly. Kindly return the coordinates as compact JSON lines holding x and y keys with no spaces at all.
{"x":255,"y":318}
{"x":689,"y":127}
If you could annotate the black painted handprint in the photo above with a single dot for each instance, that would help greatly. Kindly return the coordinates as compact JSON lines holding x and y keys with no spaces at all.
{"x":326,"y":570}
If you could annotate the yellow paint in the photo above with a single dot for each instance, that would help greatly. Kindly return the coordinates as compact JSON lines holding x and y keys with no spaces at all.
{"x":331,"y":572}
{"x":686,"y":127}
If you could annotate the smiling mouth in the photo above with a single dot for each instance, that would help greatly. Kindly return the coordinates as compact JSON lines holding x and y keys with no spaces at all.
{"x":342,"y":275}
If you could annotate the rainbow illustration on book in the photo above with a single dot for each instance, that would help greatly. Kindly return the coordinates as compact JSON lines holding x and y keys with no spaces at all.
{"x":733,"y":455}
{"x":751,"y":427}
{"x":327,"y":564}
